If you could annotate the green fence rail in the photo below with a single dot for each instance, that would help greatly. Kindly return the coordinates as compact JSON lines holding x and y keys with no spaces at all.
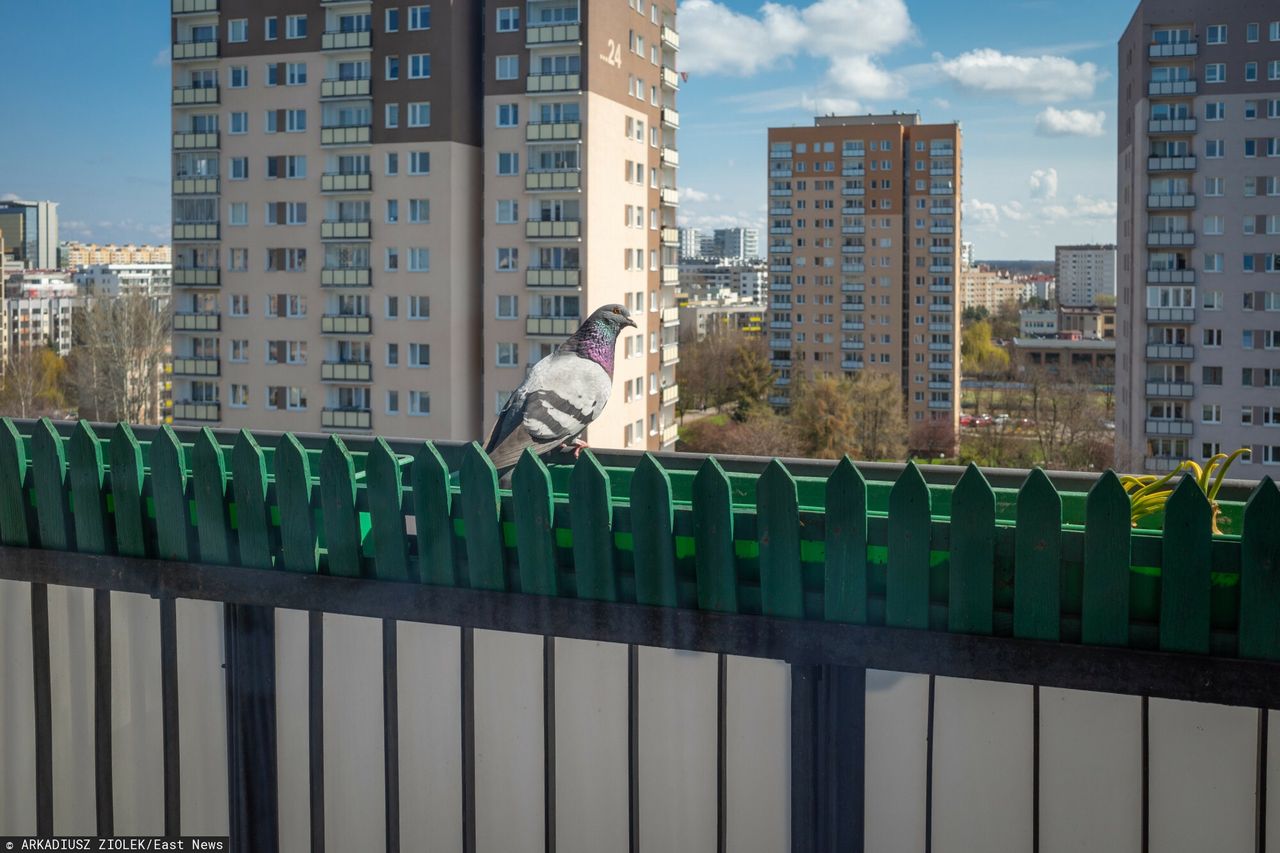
{"x":1037,"y":562}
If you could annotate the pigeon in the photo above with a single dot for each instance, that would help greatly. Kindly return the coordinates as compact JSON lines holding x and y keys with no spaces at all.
{"x":563,"y":392}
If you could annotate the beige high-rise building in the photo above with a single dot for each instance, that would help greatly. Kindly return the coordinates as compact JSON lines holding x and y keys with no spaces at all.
{"x":1198,"y":314}
{"x":864,"y":248}
{"x":384,"y":213}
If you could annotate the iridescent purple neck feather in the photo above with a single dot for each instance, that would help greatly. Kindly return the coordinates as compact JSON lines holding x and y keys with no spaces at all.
{"x":595,"y":340}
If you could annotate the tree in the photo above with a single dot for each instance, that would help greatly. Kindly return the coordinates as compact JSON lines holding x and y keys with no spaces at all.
{"x":117,"y":364}
{"x":979,"y":355}
{"x":1068,"y":417}
{"x":764,"y":433}
{"x":751,"y":375}
{"x":974,"y":314}
{"x":1004,"y":323}
{"x":33,"y":379}
{"x":861,"y":417}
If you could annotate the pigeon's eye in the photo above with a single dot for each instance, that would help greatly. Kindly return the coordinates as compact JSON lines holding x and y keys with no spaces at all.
{"x":617,"y":310}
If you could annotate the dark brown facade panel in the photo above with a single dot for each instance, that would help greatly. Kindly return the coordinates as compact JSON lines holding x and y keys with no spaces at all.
{"x":257,"y":12}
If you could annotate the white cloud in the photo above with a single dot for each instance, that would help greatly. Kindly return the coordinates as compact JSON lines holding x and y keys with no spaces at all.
{"x":980,"y":214}
{"x":690,"y":194}
{"x":1056,"y":122}
{"x":715,"y":39}
{"x":162,"y":59}
{"x":1082,"y":207}
{"x":1044,"y":79}
{"x":823,"y":105}
{"x":942,"y":103}
{"x":1044,"y":183}
{"x":1013,"y":210}
{"x":9,"y":197}
{"x":711,"y":221}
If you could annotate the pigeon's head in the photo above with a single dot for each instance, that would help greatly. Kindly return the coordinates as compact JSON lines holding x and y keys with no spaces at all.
{"x":613,"y":318}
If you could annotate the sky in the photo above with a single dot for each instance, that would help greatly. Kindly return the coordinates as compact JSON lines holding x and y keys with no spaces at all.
{"x":1032,"y":83}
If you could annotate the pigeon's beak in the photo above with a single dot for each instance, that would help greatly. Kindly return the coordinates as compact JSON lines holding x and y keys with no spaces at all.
{"x":627,"y":321}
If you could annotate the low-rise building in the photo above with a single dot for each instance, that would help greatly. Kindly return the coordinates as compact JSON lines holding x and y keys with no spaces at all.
{"x":1066,"y":353}
{"x":985,"y":287}
{"x":1091,"y":321}
{"x":724,"y":281}
{"x":1037,"y":323}
{"x":39,"y":306}
{"x":699,"y":319}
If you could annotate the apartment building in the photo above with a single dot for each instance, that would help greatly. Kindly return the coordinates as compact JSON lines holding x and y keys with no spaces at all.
{"x":864,"y":248}
{"x":74,"y":254}
{"x":40,"y":308}
{"x":1198,"y":368}
{"x":985,"y":287}
{"x":380,"y":209}
{"x":1084,"y":273}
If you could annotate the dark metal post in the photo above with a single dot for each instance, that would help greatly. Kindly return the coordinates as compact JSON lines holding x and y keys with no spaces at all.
{"x":251,"y":727}
{"x":828,"y":744}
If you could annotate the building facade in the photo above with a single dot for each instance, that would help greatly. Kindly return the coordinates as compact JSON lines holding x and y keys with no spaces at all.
{"x":31,"y":232}
{"x":86,"y":254}
{"x":1084,"y":273}
{"x":984,"y":287}
{"x":40,"y":309}
{"x":1198,"y":232}
{"x":381,"y":211}
{"x":690,"y":243}
{"x":110,"y":280}
{"x":864,"y":249}
{"x":718,"y":280}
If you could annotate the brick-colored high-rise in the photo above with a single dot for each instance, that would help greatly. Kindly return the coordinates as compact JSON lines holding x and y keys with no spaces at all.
{"x":383,"y":212}
{"x":864,"y":249}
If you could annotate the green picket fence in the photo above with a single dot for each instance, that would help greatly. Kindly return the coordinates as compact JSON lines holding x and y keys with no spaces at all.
{"x":1034,"y":562}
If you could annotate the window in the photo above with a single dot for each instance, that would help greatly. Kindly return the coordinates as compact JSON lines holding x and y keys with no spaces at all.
{"x":508,"y":212}
{"x":419,"y":66}
{"x":1273,"y":69}
{"x":419,"y":17}
{"x":393,"y":355}
{"x":239,"y":122}
{"x":1216,"y":34}
{"x":392,"y":22}
{"x":508,"y":259}
{"x":1215,"y":111}
{"x":508,"y":307}
{"x":296,"y":74}
{"x":419,"y":355}
{"x":393,"y":210}
{"x":419,"y":260}
{"x":392,"y":117}
{"x":239,"y":396}
{"x":273,"y":74}
{"x":1213,"y":262}
{"x":392,"y":259}
{"x":1251,"y":32}
{"x":1213,"y":224}
{"x":392,"y":163}
{"x":508,"y":355}
{"x":1214,"y":148}
{"x":1213,"y":186}
{"x":1215,"y":72}
{"x":419,"y":162}
{"x":1211,"y":413}
{"x":420,"y":114}
{"x":419,"y":307}
{"x":271,"y":123}
{"x":508,"y":163}
{"x":393,"y":402}
{"x":238,"y":30}
{"x":508,"y":67}
{"x":238,"y":213}
{"x":508,"y":19}
{"x":239,"y":350}
{"x":295,"y":27}
{"x":239,"y":168}
{"x":1250,"y":72}
{"x":1211,"y":375}
{"x":393,"y":68}
{"x":271,"y":28}
{"x":393,"y":307}
{"x":295,"y":121}
{"x":240,"y":304}
{"x":419,"y":210}
{"x":419,"y":403}
{"x":239,"y":77}
{"x":239,"y":262}
{"x":1273,"y":31}
{"x":1212,"y":337}
{"x":508,"y":115}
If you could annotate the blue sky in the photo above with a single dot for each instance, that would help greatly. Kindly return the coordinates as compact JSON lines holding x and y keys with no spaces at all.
{"x":1031,"y":81}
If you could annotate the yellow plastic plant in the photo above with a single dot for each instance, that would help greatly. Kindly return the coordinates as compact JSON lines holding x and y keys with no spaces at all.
{"x":1148,"y":494}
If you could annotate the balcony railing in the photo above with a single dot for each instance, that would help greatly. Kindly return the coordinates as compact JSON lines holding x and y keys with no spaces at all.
{"x":193,"y":231}
{"x":1171,"y":125}
{"x":563,"y":229}
{"x":670,"y":236}
{"x":552,"y":34}
{"x":197,"y":321}
{"x":1171,"y":238}
{"x":345,"y":277}
{"x":346,"y":182}
{"x":195,"y":186}
{"x":358,"y":134}
{"x":196,"y":366}
{"x":552,"y":131}
{"x":345,"y":229}
{"x":193,"y":7}
{"x":541,"y":83}
{"x":1171,"y":352}
{"x":194,"y":96}
{"x":670,"y":117}
{"x":670,"y":354}
{"x":1165,"y":201}
{"x":1171,"y":164}
{"x":941,"y":209}
{"x":346,"y":371}
{"x":1171,"y":87}
{"x":196,"y":277}
{"x":1170,"y":426}
{"x":669,"y":275}
{"x":1177,"y":390}
{"x":852,"y":364}
{"x":1163,"y":276}
{"x":670,"y":79}
{"x":199,"y":412}
{"x":337,"y":40}
{"x":541,"y":180}
{"x":559,"y":277}
{"x":185,"y":51}
{"x":670,"y":394}
{"x":560,"y":327}
{"x":1165,"y":51}
{"x":346,"y":324}
{"x":670,"y":38}
{"x":669,"y":196}
{"x":670,"y":157}
{"x":346,"y":418}
{"x":191,"y":141}
{"x":1171,"y":315}
{"x":671,"y":316}
{"x":345,"y":88}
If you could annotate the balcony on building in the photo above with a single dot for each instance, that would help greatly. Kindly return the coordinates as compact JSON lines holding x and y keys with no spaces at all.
{"x":941,"y":208}
{"x":1171,"y":352}
{"x":1167,"y":426}
{"x":193,"y":7}
{"x":345,"y":277}
{"x":192,"y":49}
{"x":1165,"y":51}
{"x":941,"y":346}
{"x":781,"y":247}
{"x":201,"y":277}
{"x":194,"y":96}
{"x":943,"y":190}
{"x":853,"y":191}
{"x":941,"y":267}
{"x":670,"y":38}
{"x":197,"y":321}
{"x":544,"y":180}
{"x":671,"y":316}
{"x":557,"y":327}
{"x":670,"y":236}
{"x":670,"y":394}
{"x":191,"y":141}
{"x":338,"y":87}
{"x":853,"y":172}
{"x":536,"y":84}
{"x":553,"y":277}
{"x":670,"y":117}
{"x":345,"y":229}
{"x":853,"y":306}
{"x":1171,"y":315}
{"x":670,"y":156}
{"x":853,"y":268}
{"x":346,"y":182}
{"x":853,"y":208}
{"x":345,"y":134}
{"x":1171,"y":201}
{"x":669,"y":196}
{"x":852,"y":345}
{"x":1171,"y":164}
{"x":942,"y":229}
{"x":346,"y":324}
{"x":552,"y":34}
{"x":940,"y":287}
{"x":780,"y":191}
{"x":195,"y":186}
{"x":558,"y":229}
{"x":186,"y":410}
{"x":1167,"y":276}
{"x":1165,"y":88}
{"x":670,"y":354}
{"x":194,"y":231}
{"x":670,"y":78}
{"x":1159,"y":464}
{"x":941,"y":327}
{"x":852,"y":364}
{"x":346,"y":371}
{"x":779,"y":324}
{"x":942,"y":250}
{"x":780,"y":286}
{"x":941,"y":307}
{"x":942,"y":171}
{"x":346,"y":418}
{"x":850,"y":249}
{"x":1171,"y":238}
{"x":346,"y":40}
{"x":1174,"y":390}
{"x":937,"y":385}
{"x":941,"y":148}
{"x":1171,"y":125}
{"x":850,"y":229}
{"x":553,"y":131}
{"x":940,"y":404}
{"x":669,"y":274}
{"x":196,"y":366}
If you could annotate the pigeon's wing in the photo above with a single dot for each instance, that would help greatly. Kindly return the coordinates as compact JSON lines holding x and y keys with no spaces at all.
{"x":559,"y":398}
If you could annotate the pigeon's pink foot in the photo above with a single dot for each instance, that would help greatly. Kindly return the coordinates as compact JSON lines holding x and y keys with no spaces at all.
{"x":578,"y":446}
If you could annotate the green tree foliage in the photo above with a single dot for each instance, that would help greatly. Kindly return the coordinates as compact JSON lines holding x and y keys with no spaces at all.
{"x":33,"y":383}
{"x":862,"y":417}
{"x":979,"y":355}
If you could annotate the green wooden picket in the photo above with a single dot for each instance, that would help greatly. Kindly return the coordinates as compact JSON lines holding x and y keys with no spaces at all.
{"x":591,"y":517}
{"x":429,"y":476}
{"x":298,"y":546}
{"x":1037,"y":584}
{"x":534,"y":506}
{"x":973,"y":553}
{"x":653,"y":542}
{"x":1104,"y":609}
{"x":386,"y":514}
{"x":1260,"y":574}
{"x":713,"y":539}
{"x":778,"y":523}
{"x":480,"y":515}
{"x":88,"y":498}
{"x":845,"y":584}
{"x":1185,"y":570}
{"x":338,"y":501}
{"x":13,"y":486}
{"x":209,"y":483}
{"x":49,"y":480}
{"x":907,"y":584}
{"x":169,"y":491}
{"x":128,"y":501}
{"x":249,"y":487}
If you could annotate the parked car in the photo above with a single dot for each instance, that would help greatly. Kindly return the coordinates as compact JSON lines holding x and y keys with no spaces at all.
{"x":966,"y":420}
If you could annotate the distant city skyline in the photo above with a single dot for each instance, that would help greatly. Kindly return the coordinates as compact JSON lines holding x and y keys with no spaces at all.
{"x":1031,"y":81}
